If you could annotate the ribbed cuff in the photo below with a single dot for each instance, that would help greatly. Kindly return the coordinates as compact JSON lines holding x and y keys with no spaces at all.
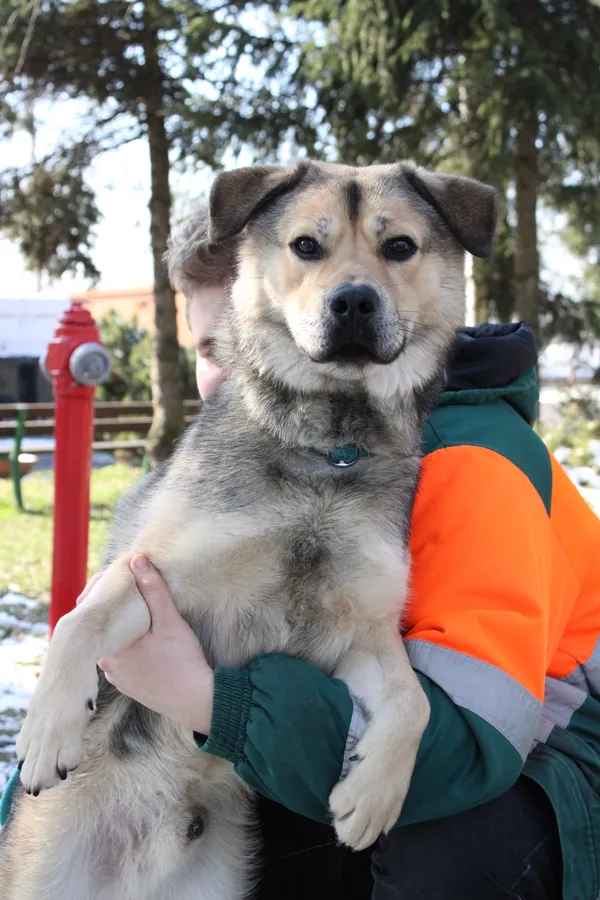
{"x":231,"y":709}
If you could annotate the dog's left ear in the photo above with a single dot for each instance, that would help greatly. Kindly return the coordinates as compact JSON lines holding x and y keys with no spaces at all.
{"x":468,"y":207}
{"x":239,"y":195}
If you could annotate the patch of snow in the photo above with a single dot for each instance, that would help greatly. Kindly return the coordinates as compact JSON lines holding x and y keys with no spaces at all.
{"x":594,"y":449}
{"x":22,"y":646}
{"x":9,"y":621}
{"x":13,"y":598}
{"x":583,"y":476}
{"x":562,"y":454}
{"x":592,"y":495}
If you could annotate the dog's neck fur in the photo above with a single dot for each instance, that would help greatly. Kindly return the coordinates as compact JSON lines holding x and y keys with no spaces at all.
{"x":327,"y":419}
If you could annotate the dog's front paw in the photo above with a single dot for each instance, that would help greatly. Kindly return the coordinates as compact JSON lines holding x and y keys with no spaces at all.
{"x":369,"y":800}
{"x":51,"y":742}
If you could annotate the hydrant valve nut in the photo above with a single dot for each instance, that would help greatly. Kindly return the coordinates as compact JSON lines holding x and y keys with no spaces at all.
{"x":90,"y":364}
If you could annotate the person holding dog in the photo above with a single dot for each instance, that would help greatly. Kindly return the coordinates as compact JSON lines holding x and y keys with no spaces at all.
{"x":504,"y":800}
{"x":502,"y":631}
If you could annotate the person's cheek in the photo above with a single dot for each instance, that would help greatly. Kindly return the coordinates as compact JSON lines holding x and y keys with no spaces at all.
{"x":208,"y":376}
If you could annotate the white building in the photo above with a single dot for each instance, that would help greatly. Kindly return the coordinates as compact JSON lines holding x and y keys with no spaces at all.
{"x":26,"y":327}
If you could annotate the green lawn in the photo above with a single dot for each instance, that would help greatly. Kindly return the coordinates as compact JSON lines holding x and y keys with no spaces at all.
{"x":26,"y":538}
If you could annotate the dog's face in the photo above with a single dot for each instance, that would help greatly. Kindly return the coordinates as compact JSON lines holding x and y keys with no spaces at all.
{"x":351,"y":274}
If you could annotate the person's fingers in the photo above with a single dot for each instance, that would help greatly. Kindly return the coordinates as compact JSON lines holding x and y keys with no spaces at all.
{"x":93,"y":580}
{"x":153,"y":589}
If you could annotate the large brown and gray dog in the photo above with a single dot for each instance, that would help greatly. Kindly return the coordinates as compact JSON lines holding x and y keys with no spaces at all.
{"x":348,"y":296}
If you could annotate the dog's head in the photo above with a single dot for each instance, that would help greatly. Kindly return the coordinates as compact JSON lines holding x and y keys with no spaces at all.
{"x":351,"y":274}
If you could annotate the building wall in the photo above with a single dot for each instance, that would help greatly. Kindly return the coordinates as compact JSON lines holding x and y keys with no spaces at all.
{"x":27,"y":324}
{"x":134,"y":302}
{"x":21,"y":381}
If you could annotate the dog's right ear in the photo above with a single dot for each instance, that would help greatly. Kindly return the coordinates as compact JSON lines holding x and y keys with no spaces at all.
{"x":239,"y":195}
{"x":468,"y":207}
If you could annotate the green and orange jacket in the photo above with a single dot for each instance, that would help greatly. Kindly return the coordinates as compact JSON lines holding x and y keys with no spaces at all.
{"x":502,"y":627}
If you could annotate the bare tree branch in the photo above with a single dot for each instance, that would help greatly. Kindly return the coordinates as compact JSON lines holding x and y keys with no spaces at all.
{"x":8,"y":27}
{"x":35,"y":11}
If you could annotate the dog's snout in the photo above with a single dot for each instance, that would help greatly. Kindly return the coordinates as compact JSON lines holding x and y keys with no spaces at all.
{"x":351,"y":303}
{"x":353,"y":325}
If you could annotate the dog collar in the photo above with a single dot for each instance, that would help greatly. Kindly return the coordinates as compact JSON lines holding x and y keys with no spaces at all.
{"x":342,"y":457}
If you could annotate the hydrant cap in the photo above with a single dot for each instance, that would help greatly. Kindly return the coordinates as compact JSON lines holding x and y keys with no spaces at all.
{"x":90,"y":364}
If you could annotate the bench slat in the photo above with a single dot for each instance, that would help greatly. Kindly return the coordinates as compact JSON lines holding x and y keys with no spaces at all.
{"x":101,"y":409}
{"x":42,"y":427}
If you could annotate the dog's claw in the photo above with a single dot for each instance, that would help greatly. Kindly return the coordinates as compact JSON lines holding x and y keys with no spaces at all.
{"x":36,"y":792}
{"x":51,"y":740}
{"x":20,"y":764}
{"x":368,"y":801}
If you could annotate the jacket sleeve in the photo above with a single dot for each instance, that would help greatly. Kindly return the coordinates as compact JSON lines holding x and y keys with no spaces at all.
{"x":477,"y":632}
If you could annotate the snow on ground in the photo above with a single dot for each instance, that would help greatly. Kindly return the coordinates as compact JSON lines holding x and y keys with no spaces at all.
{"x":23,"y":640}
{"x":586,"y":478}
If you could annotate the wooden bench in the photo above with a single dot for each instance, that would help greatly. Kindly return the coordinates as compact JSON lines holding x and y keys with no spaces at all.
{"x":20,"y":420}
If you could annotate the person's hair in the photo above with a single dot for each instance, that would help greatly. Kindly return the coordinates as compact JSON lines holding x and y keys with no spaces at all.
{"x":193,"y":261}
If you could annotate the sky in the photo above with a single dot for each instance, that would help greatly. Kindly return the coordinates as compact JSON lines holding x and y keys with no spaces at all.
{"x":121,"y":181}
{"x":121,"y":251}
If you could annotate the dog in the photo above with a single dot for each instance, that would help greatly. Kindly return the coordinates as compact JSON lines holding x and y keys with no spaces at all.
{"x":348,"y":295}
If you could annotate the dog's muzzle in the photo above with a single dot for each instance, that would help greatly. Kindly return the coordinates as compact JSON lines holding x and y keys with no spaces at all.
{"x":351,"y":331}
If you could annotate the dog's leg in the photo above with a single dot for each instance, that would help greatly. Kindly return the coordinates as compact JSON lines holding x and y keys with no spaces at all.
{"x":369,"y":799}
{"x":113,"y":616}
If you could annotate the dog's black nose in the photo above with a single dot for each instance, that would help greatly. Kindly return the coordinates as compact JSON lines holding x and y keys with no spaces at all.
{"x":353,"y":303}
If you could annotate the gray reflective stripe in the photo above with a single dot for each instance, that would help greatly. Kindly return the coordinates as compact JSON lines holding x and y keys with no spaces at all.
{"x":577,"y":678}
{"x":543,"y":731}
{"x":587,"y":675}
{"x":561,"y":701}
{"x":482,"y":688}
{"x":591,"y":670}
{"x":358,"y":726}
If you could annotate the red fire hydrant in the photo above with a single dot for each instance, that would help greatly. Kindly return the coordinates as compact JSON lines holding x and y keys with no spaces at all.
{"x":76,"y":362}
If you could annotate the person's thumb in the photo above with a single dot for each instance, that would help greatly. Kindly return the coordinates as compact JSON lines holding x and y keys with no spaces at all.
{"x":154,"y":590}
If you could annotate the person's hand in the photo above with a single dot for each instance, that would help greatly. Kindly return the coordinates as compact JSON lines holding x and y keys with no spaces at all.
{"x":166,"y":669}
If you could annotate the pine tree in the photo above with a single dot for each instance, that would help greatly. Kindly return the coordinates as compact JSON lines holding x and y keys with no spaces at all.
{"x":150,"y":69}
{"x":501,"y":91}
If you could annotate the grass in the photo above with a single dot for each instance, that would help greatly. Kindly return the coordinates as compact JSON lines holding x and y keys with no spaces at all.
{"x":26,"y":538}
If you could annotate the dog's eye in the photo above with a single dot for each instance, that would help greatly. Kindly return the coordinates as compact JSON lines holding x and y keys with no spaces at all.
{"x":307,"y":248}
{"x":400,"y":248}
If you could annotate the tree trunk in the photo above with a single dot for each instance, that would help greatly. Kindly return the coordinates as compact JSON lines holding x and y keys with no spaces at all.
{"x":167,"y":402}
{"x":527,"y":275}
